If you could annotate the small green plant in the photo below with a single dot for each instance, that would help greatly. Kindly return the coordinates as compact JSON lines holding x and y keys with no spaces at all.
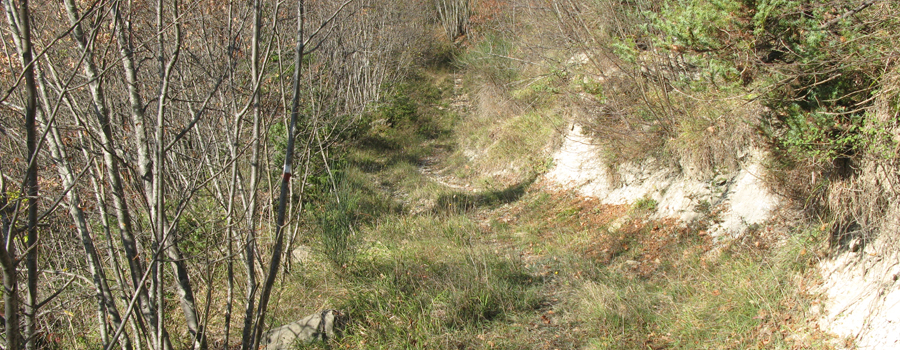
{"x":594,"y":88}
{"x":703,"y":207}
{"x":645,"y":204}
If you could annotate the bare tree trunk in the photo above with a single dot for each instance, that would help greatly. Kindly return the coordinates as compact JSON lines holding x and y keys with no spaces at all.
{"x":232,"y":189}
{"x":454,"y":17}
{"x":229,"y":211}
{"x":156,"y":195}
{"x":136,"y":323}
{"x":275,"y":262}
{"x":118,"y":191}
{"x":8,"y":263}
{"x":60,"y":158}
{"x":19,"y":20}
{"x":10,"y":289}
{"x":105,"y":299}
{"x":138,"y":118}
{"x":137,"y":326}
{"x":164,"y":238}
{"x":31,"y":175}
{"x":249,"y":243}
{"x":229,"y":201}
{"x":139,"y":135}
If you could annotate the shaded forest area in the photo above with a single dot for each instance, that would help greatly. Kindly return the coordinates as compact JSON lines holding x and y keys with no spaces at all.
{"x":157,"y":159}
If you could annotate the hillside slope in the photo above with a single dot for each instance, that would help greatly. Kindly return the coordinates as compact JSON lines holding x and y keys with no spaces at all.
{"x":856,"y":298}
{"x":628,"y":175}
{"x":768,"y":123}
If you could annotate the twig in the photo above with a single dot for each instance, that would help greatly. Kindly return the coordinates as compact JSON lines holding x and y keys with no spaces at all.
{"x":54,"y":295}
{"x":847,"y":14}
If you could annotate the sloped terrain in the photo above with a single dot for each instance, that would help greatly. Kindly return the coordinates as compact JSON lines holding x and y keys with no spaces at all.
{"x":741,"y":198}
{"x":856,"y":298}
{"x":467,"y":261}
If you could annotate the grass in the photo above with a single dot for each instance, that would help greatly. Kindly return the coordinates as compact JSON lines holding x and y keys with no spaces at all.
{"x":425,"y":294}
{"x":665,"y":287}
{"x":506,"y":136}
{"x":517,"y":266}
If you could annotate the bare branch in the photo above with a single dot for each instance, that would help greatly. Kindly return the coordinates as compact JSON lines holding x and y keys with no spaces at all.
{"x":852,"y":12}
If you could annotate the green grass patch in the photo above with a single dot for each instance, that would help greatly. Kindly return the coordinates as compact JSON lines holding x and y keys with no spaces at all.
{"x":654,"y":285}
{"x":424,"y":266}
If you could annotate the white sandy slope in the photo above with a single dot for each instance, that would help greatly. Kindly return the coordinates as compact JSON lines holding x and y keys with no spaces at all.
{"x":861,"y":291}
{"x":740,"y":198}
{"x":863,"y":296}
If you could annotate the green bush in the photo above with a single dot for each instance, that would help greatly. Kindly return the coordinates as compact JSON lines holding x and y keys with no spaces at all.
{"x":815,"y":68}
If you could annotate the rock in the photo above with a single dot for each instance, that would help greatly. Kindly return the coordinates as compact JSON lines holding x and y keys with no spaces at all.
{"x":738,"y":200}
{"x":301,"y":254}
{"x":315,"y":327}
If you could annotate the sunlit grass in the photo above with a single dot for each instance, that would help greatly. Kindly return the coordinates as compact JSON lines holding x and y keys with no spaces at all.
{"x":516,"y":266}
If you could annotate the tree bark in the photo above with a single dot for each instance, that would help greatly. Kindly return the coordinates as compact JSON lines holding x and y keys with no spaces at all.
{"x":10,"y":277}
{"x":165,"y":238}
{"x":31,"y":175}
{"x":19,"y":20}
{"x":275,"y":262}
{"x":111,"y":159}
{"x":105,"y":299}
{"x":249,"y":243}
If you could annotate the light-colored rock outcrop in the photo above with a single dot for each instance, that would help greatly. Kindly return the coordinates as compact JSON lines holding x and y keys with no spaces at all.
{"x":740,"y":199}
{"x":318,"y":326}
{"x":860,"y":287}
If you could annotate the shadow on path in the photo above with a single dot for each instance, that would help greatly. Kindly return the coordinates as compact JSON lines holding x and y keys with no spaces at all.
{"x":460,"y":202}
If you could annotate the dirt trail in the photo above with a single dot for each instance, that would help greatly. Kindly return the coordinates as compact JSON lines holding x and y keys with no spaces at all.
{"x":546,"y":322}
{"x":431,"y":169}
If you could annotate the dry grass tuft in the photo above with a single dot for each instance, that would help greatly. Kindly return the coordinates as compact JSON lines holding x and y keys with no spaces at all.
{"x":714,"y":137}
{"x":871,"y":199}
